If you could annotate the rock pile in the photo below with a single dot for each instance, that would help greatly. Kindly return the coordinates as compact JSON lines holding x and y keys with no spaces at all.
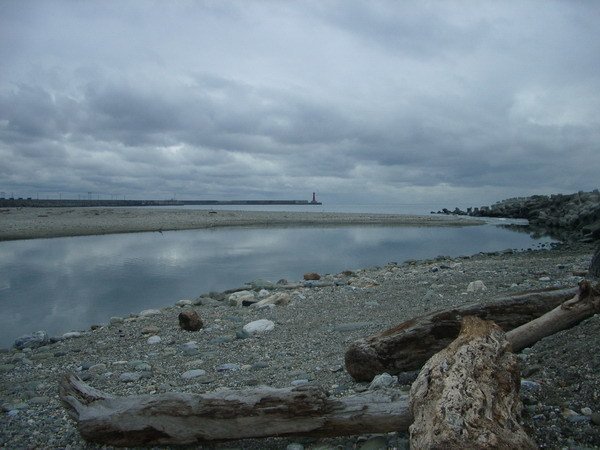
{"x":568,"y":217}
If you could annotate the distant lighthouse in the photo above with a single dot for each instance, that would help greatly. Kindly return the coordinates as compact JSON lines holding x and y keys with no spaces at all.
{"x":314,"y":200}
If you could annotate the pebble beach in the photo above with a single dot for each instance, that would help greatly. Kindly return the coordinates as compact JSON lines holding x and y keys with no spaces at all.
{"x":296,"y":332}
{"x":31,"y":223}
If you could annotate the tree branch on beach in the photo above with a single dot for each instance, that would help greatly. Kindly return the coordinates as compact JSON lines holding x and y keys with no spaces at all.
{"x":181,"y":418}
{"x":408,"y":345}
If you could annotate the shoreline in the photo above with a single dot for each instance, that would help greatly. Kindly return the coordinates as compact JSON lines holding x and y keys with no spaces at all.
{"x":149,"y":353}
{"x":35,"y":223}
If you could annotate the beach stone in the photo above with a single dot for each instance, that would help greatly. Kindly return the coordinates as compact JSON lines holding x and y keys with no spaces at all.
{"x":189,"y":348}
{"x":71,"y":335}
{"x":384,"y":380}
{"x":299,"y":382}
{"x":278,"y":299}
{"x":259,"y":326}
{"x":586,"y":411}
{"x":595,"y":418}
{"x":154,"y":339}
{"x":545,"y":279}
{"x":263,"y":293}
{"x":189,"y":320}
{"x":149,"y":312}
{"x":130,"y":377}
{"x":228,"y":367}
{"x":237,"y":298}
{"x":115,"y":320}
{"x":183,"y":303}
{"x":151,"y":329}
{"x":34,"y":340}
{"x":194,"y":373}
{"x":312,"y":276}
{"x":260,"y":365}
{"x":140,"y":366}
{"x":476,"y":286}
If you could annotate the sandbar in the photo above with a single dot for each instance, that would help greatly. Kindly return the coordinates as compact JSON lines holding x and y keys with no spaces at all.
{"x":32,"y":223}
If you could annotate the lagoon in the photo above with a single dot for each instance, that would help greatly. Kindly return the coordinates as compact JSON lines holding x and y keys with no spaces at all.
{"x":66,"y":284}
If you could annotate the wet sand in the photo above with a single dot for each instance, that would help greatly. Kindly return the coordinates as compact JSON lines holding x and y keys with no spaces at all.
{"x":32,"y":223}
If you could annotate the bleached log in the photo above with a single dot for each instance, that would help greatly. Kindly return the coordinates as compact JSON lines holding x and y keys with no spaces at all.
{"x":407,"y":346}
{"x":585,"y":304}
{"x":467,"y":395}
{"x":181,"y":418}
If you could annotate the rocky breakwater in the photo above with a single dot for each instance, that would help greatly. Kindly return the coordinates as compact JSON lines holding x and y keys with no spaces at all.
{"x":564,"y":216}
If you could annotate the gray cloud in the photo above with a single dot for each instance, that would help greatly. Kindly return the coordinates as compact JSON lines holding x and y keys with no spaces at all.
{"x":435,"y":102}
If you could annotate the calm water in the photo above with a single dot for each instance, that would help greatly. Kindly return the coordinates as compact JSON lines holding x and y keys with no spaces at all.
{"x":66,"y":284}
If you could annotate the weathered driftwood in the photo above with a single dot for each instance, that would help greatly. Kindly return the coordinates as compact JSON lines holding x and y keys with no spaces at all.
{"x":467,"y":395}
{"x":179,"y":418}
{"x":586,"y":303}
{"x":594,"y":270}
{"x":407,"y":346}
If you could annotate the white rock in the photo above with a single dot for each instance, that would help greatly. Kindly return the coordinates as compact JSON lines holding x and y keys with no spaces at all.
{"x":259,"y":326}
{"x":237,"y":298}
{"x":149,"y":312}
{"x":544,"y":279}
{"x":586,"y":411}
{"x":383,"y":380}
{"x":154,"y":339}
{"x":184,"y":302}
{"x":279,"y":299}
{"x":263,"y":293}
{"x":71,"y":334}
{"x":476,"y":286}
{"x":194,"y":373}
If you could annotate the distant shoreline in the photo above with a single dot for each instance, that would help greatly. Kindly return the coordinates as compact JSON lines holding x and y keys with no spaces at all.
{"x":86,"y":203}
{"x":33,"y":223}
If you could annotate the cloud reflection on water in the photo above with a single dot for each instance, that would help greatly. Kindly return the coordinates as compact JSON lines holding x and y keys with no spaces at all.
{"x":67,"y":284}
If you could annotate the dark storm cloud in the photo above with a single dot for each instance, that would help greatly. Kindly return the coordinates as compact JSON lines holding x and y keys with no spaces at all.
{"x":397,"y":101}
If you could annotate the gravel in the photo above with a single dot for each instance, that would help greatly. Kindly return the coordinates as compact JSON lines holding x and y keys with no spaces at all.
{"x":307,"y":345}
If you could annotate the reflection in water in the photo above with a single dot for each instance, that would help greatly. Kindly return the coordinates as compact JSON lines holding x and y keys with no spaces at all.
{"x":67,"y":284}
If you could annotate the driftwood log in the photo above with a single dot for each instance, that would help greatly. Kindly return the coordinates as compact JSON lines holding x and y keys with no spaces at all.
{"x":594,"y":270}
{"x":407,"y":346}
{"x":180,"y":418}
{"x":585,"y":304}
{"x":467,"y":395}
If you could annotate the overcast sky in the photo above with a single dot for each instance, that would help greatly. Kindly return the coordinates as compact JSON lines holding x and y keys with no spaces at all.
{"x":462,"y":103}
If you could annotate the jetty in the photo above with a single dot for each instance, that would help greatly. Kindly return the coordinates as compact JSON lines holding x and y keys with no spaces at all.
{"x":72,"y":203}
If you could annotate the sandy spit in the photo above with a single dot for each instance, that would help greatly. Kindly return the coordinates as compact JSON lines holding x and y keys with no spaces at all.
{"x":31,"y":223}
